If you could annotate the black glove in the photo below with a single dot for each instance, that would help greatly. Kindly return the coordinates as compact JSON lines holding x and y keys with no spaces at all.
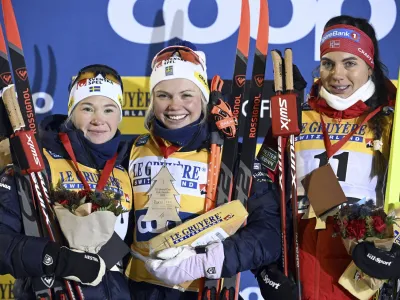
{"x":299,"y":82}
{"x":83,"y":267}
{"x":275,"y":285}
{"x":376,"y":262}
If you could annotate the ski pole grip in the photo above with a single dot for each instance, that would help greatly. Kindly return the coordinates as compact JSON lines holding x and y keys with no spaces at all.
{"x":12,"y":107}
{"x":289,"y":69}
{"x":277,"y":62}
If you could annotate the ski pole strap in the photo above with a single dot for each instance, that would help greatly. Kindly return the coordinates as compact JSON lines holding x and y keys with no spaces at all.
{"x":166,"y":150}
{"x":105,"y":174}
{"x":225,"y":121}
{"x":332,"y":149}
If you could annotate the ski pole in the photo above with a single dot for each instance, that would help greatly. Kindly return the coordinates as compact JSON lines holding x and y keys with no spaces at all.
{"x":290,"y":91}
{"x":284,"y":126}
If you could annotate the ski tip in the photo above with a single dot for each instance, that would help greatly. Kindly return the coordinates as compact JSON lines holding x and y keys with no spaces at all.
{"x":244,"y":29}
{"x":263,"y":28}
{"x":11,"y":24}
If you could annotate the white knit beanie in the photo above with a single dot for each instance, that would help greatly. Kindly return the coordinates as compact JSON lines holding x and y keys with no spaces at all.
{"x":97,"y":86}
{"x":175,"y":67}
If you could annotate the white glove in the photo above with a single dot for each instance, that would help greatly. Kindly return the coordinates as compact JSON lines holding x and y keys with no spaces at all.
{"x":176,"y":265}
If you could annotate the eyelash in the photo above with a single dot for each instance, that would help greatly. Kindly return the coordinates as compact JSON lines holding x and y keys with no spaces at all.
{"x":166,"y":96}
{"x":330,"y":65}
{"x":89,"y":109}
{"x":350,"y":63}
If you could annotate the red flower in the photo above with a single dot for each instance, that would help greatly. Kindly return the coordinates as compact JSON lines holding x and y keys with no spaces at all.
{"x":336,"y":226}
{"x":95,"y":207}
{"x":379,"y":224}
{"x":63,"y":202}
{"x":356,"y":229}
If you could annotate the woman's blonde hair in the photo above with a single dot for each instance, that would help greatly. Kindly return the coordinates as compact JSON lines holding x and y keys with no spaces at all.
{"x":150,"y":116}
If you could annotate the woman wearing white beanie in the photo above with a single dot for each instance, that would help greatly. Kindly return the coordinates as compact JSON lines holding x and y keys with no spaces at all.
{"x":175,"y":152}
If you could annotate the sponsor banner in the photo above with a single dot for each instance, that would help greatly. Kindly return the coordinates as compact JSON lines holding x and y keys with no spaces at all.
{"x":6,"y":287}
{"x":134,"y":105}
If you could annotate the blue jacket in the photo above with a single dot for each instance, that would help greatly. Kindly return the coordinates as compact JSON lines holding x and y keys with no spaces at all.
{"x":21,"y":255}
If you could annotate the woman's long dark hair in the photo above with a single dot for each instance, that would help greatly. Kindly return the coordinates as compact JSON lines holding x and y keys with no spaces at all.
{"x":380,"y":97}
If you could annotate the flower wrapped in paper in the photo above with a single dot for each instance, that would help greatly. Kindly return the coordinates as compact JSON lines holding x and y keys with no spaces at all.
{"x":87,"y":219}
{"x":358,"y":223}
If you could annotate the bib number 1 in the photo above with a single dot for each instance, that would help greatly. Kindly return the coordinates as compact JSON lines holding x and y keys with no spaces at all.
{"x":342,"y":163}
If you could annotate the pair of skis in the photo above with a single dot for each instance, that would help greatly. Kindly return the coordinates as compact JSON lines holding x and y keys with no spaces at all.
{"x":231,"y":180}
{"x":33,"y":188}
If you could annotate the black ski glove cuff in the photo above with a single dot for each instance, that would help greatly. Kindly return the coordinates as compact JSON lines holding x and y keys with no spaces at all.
{"x":50,"y":258}
{"x":275,"y":285}
{"x":79,"y":266}
{"x":76,"y":265}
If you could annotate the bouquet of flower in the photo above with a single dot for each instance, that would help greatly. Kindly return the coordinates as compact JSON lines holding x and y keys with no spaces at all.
{"x":87,"y":218}
{"x":356,"y":223}
{"x":359,"y":222}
